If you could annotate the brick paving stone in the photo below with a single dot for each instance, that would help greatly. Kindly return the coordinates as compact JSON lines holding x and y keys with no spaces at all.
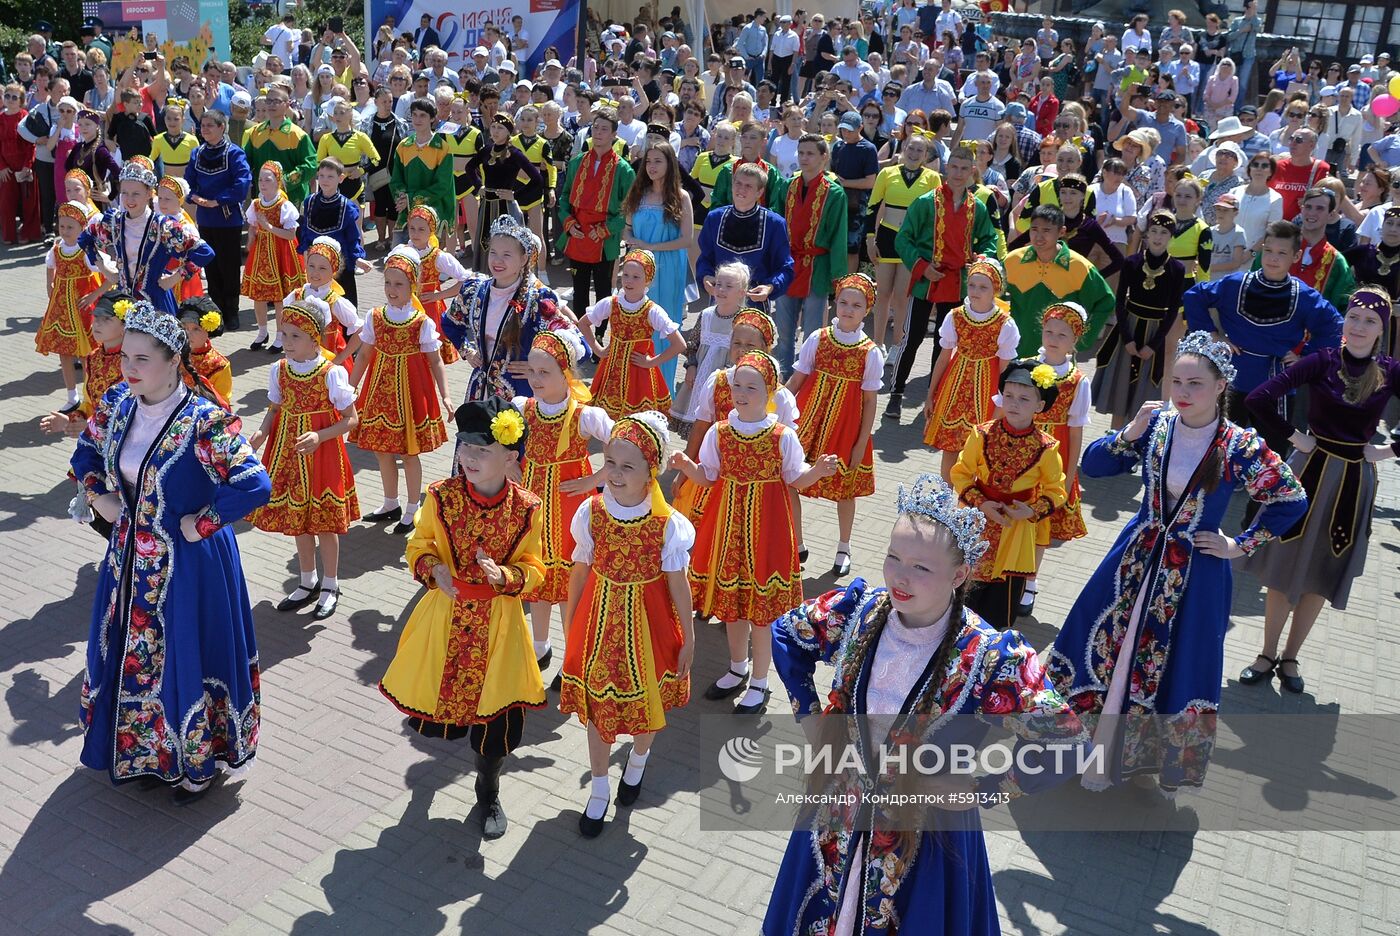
{"x":350,"y":825}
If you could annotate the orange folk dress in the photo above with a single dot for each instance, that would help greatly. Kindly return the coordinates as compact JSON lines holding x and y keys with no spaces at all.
{"x":194,"y":285}
{"x":620,"y":387}
{"x":346,"y":318}
{"x":840,"y":368}
{"x":745,"y":566}
{"x":980,"y":344}
{"x":312,"y":493}
{"x":466,"y":660}
{"x":556,"y":450}
{"x":1071,"y":409}
{"x":273,"y":268}
{"x":712,"y":403}
{"x":623,"y":647}
{"x":398,"y":404}
{"x":216,"y":371}
{"x":434,"y":263}
{"x":65,"y":328}
{"x":102,"y":370}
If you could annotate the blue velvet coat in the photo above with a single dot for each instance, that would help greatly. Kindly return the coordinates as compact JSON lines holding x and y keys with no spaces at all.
{"x":165,"y":238}
{"x":534,"y":305}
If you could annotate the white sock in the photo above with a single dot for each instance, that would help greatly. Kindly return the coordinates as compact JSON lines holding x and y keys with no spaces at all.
{"x":73,"y":396}
{"x":755,"y":694}
{"x":262,"y":333}
{"x":541,"y":648}
{"x":636,"y":764}
{"x":843,"y":548}
{"x":598,"y":796}
{"x":389,"y":504}
{"x":329,"y":583}
{"x":277,"y":342}
{"x":729,"y":680}
{"x":308,"y":580}
{"x":1030,"y":588}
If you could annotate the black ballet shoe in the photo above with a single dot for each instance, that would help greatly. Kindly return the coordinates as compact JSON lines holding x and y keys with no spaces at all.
{"x":181,"y":796}
{"x":296,"y":604}
{"x":802,"y":555}
{"x":558,"y":682}
{"x":756,"y":707}
{"x":842,"y":565}
{"x":1249,"y":675}
{"x":259,"y":343}
{"x":591,"y":828}
{"x":627,"y":793}
{"x":893,"y":406}
{"x":717,"y":692}
{"x":1026,"y":605}
{"x":384,"y":516}
{"x":544,"y":661}
{"x":71,"y":407}
{"x":493,"y":821}
{"x":404,"y":526}
{"x":325,"y":609}
{"x":1293,"y":684}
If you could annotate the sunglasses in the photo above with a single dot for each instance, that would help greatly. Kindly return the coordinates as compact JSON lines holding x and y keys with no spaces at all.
{"x":12,"y":97}
{"x":1259,"y":165}
{"x":1296,"y":115}
{"x":1297,"y":138}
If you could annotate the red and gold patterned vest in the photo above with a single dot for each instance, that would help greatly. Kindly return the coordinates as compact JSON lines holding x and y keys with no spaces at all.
{"x":625,"y":553}
{"x":841,"y":361}
{"x":542,"y":442}
{"x":394,"y":339}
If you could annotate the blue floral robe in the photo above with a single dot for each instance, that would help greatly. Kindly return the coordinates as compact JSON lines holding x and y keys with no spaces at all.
{"x":464,"y":325}
{"x":166,"y":238}
{"x":172,"y":666}
{"x":942,"y":885}
{"x":1178,"y":665}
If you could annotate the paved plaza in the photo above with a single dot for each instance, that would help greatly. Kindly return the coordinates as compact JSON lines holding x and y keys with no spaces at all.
{"x":349,"y":824}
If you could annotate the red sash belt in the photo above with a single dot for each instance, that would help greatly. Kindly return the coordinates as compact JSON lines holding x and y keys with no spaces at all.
{"x":1004,"y":497}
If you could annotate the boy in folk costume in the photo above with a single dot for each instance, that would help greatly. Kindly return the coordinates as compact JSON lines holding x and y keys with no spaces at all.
{"x":327,"y":212}
{"x":590,"y":209}
{"x":464,"y":667}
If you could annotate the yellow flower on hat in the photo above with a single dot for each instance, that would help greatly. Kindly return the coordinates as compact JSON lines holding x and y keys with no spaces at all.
{"x":121,"y":307}
{"x":1043,"y":376}
{"x":507,"y":427}
{"x":210,"y":321}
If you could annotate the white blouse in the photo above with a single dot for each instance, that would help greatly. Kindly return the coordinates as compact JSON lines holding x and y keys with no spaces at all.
{"x":286,"y":217}
{"x":51,"y":258}
{"x":592,"y":421}
{"x":794,"y":462}
{"x":1189,"y":446}
{"x":874,"y":358}
{"x":1078,"y":415}
{"x":338,"y":388}
{"x":449,"y":268}
{"x":783,"y":400}
{"x":428,"y":341}
{"x":341,"y":310}
{"x":656,"y":316}
{"x":1007,"y":340}
{"x":1256,"y":213}
{"x":676,"y":541}
{"x":497,"y":303}
{"x":145,"y":428}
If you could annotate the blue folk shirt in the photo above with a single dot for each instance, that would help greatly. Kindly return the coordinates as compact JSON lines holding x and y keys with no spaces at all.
{"x":219,"y":173}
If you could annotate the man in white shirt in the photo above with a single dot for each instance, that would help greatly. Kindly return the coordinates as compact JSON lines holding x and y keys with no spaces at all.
{"x":630,"y":130}
{"x":930,"y":94}
{"x":851,"y":67}
{"x":495,"y":48}
{"x":982,"y":64}
{"x":553,"y":72}
{"x":978,"y":116}
{"x":283,"y":38}
{"x":1345,"y":124}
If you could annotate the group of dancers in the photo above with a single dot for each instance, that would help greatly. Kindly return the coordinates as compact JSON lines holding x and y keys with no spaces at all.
{"x":526,"y":520}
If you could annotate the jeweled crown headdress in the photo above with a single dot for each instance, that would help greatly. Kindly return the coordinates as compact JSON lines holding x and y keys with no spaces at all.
{"x":139,"y":169}
{"x":1217,"y":352}
{"x":162,"y":326}
{"x":931,"y":497}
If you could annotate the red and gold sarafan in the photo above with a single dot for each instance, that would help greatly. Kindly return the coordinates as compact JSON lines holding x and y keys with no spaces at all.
{"x":620,"y":387}
{"x":431,"y":282}
{"x":625,"y":637}
{"x":544,"y":470}
{"x":312,"y":493}
{"x":65,"y":327}
{"x":102,"y":370}
{"x":830,"y":402}
{"x":691,"y":498}
{"x":398,"y":404}
{"x":273,"y":269}
{"x":744,"y":566}
{"x":963,"y":399}
{"x":1067,"y":522}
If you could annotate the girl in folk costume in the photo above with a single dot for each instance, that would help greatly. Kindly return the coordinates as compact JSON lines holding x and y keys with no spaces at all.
{"x":707,"y":342}
{"x":977,"y":338}
{"x":1122,"y":650}
{"x":745,"y":569}
{"x":402,"y":388}
{"x":752,"y":330}
{"x":73,"y":284}
{"x":311,"y":406}
{"x":911,"y":648}
{"x":171,"y":691}
{"x":495,"y":321}
{"x":141,"y":242}
{"x":170,"y":198}
{"x":323,"y":261}
{"x":556,"y":466}
{"x":1131,"y":363}
{"x":835,"y":379}
{"x":1317,"y":559}
{"x":464,"y":667}
{"x":1062,"y":326}
{"x":273,"y":267}
{"x":437,"y":267}
{"x":1010,"y":470}
{"x":102,"y":368}
{"x":202,"y":321}
{"x":629,"y":377}
{"x":77,"y":186}
{"x":631,"y":641}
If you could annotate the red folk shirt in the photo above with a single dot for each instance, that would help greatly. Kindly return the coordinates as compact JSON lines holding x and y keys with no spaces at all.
{"x":1320,"y":258}
{"x":16,"y":153}
{"x":1291,"y":181}
{"x":952,"y":239}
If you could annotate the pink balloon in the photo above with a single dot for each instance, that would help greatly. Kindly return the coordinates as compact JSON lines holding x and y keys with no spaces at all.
{"x":1385,"y":105}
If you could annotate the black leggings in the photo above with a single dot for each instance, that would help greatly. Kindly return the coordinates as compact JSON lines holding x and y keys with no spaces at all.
{"x":225,"y":271}
{"x":600,"y":276}
{"x":920,"y":310}
{"x":995,"y":602}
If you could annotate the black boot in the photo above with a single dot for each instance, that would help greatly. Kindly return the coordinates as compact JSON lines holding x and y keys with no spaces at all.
{"x":488,"y":788}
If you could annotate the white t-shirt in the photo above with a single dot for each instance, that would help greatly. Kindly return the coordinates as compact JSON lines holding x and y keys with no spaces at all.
{"x":979,"y":118}
{"x":1370,"y":226}
{"x":1222,"y":250}
{"x":1121,"y":204}
{"x":784,"y":154}
{"x":284,"y":42}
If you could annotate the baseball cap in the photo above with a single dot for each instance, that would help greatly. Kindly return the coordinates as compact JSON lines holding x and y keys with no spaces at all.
{"x":1016,"y":111}
{"x":1164,"y":96}
{"x":1354,"y":69}
{"x":553,"y":63}
{"x":736,"y":62}
{"x":1226,"y":200}
{"x":850,"y":121}
{"x":241,"y":99}
{"x":1328,"y":91}
{"x":1250,"y":109}
{"x":479,"y":50}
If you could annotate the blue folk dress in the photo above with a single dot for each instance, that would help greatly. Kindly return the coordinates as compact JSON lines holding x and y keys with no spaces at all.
{"x":533,"y":304}
{"x":1178,"y":596}
{"x":163,"y":238}
{"x":935,"y":883}
{"x":171,"y":687}
{"x":673,"y":286}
